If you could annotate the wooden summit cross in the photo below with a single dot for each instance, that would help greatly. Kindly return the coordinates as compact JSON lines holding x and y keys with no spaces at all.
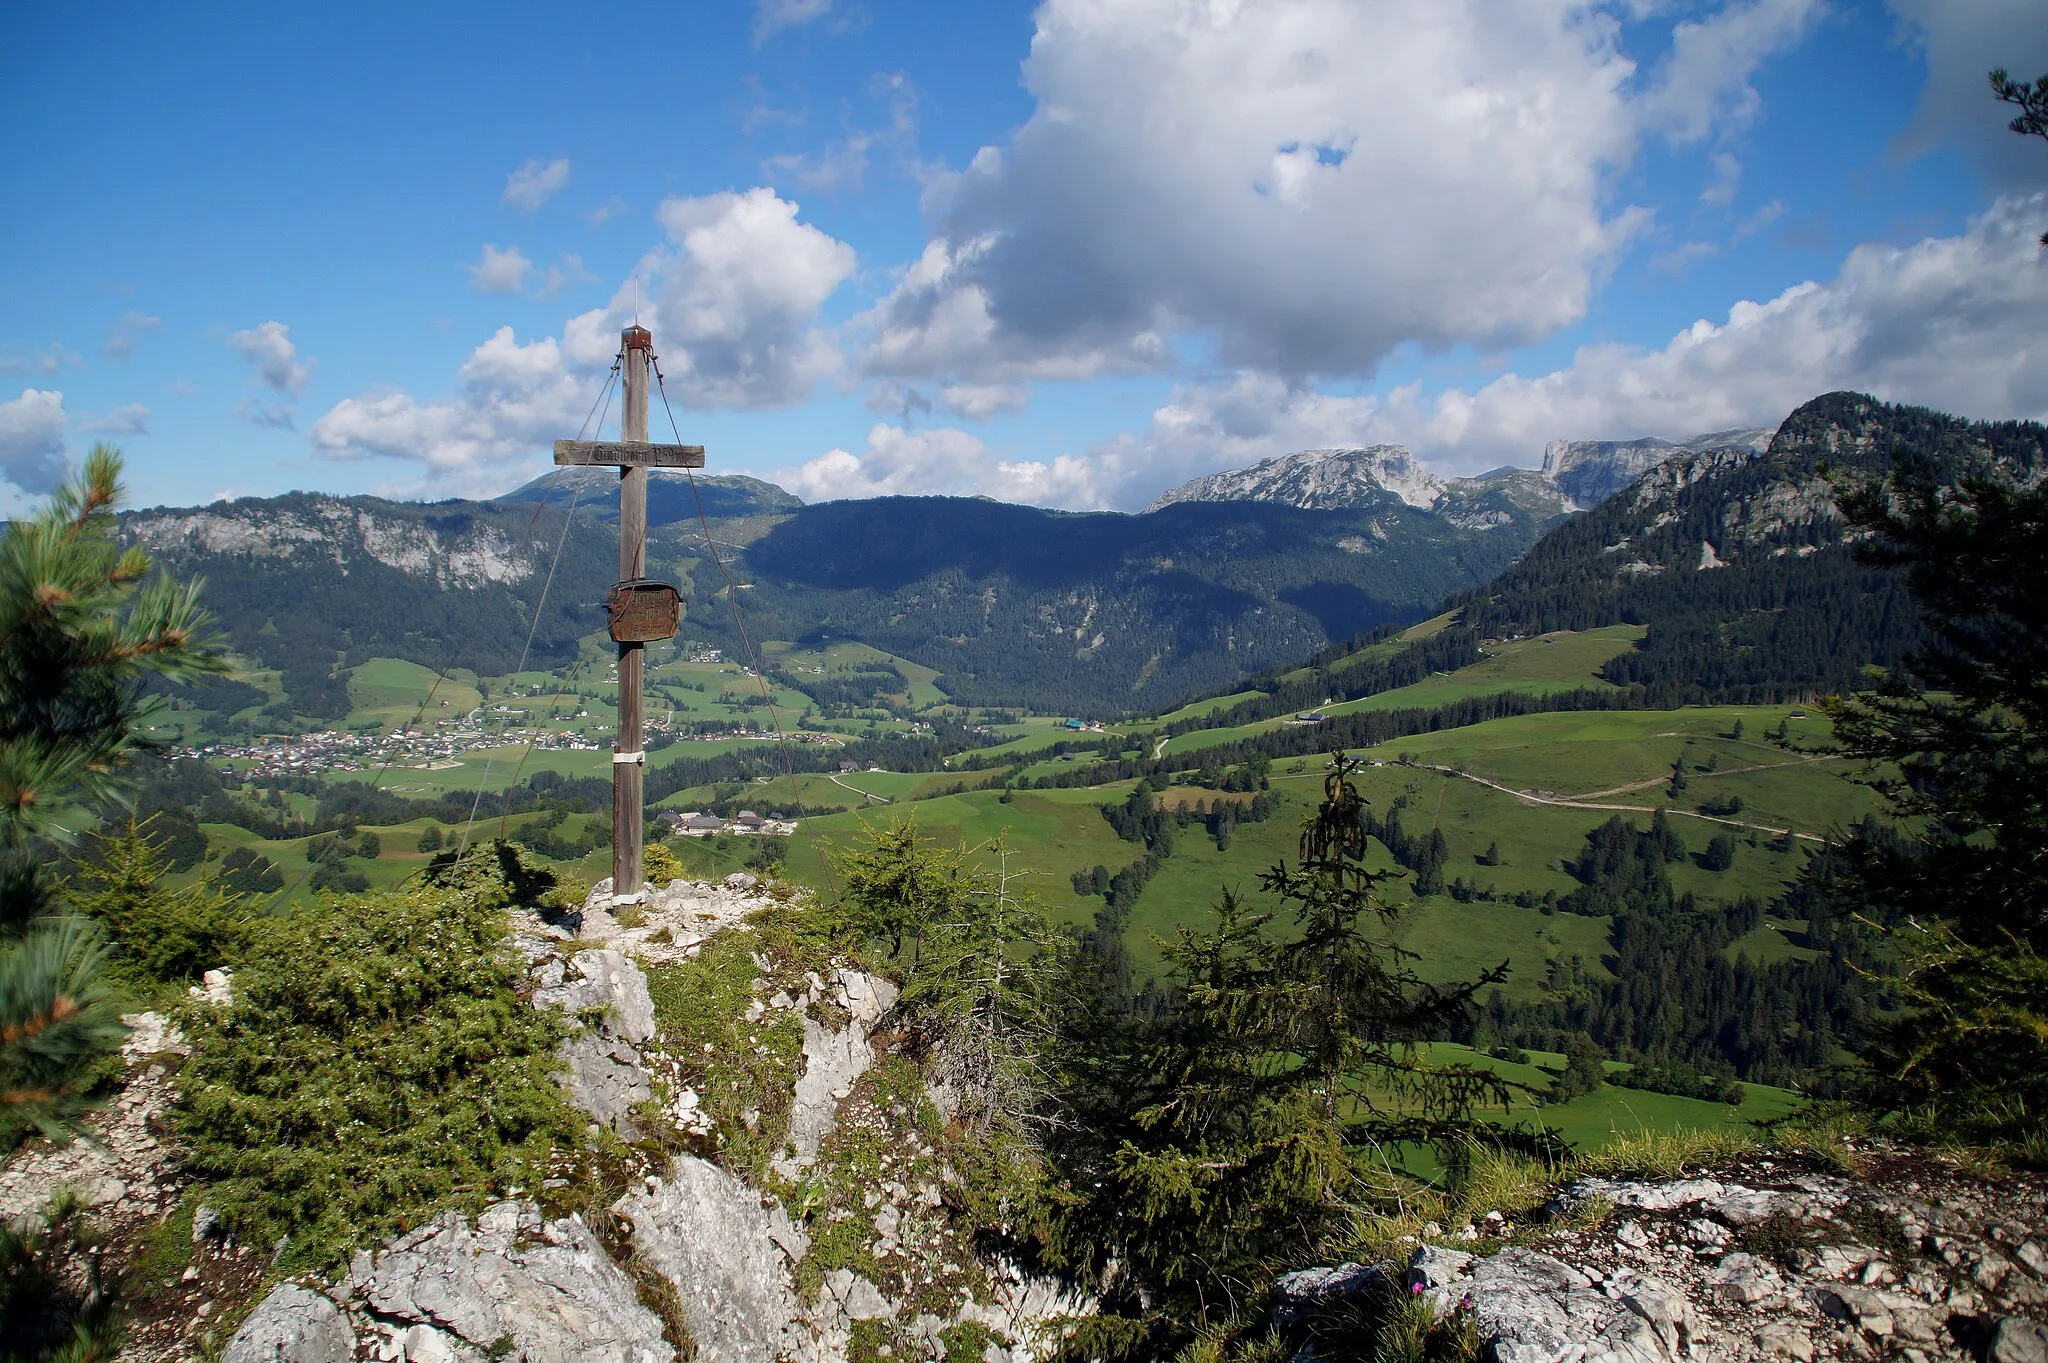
{"x":640,"y":610}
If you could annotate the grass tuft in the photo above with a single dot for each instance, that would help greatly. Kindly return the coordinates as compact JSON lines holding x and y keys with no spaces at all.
{"x":1664,"y":1154}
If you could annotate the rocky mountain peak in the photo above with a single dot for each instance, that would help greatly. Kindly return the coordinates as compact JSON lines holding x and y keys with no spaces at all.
{"x":1588,"y":472}
{"x":1319,"y":480}
{"x":1576,"y":475}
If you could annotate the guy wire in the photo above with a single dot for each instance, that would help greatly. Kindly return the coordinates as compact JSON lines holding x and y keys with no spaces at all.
{"x":732,"y":597}
{"x":377,"y":785}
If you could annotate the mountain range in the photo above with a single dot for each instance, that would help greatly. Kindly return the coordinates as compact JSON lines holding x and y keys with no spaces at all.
{"x":1576,"y":475}
{"x":1737,"y":562}
{"x":1092,"y":613}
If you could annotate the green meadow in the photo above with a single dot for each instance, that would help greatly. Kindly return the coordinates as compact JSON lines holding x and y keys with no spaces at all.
{"x":1611,"y":1111}
{"x":1551,"y":662}
{"x":1514,"y":799}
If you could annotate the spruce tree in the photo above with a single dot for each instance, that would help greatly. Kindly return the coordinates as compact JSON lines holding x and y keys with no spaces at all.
{"x":1959,"y":751}
{"x":1206,"y":1144}
{"x":82,"y":626}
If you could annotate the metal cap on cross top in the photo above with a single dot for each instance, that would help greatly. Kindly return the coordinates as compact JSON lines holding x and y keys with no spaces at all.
{"x":638,"y":610}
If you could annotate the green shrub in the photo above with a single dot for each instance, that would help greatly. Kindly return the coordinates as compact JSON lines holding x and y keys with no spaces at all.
{"x":375,"y":1065}
{"x":158,"y":934}
{"x":658,"y":864}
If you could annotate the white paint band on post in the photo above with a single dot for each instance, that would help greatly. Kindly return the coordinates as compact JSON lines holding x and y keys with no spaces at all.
{"x":619,"y":757}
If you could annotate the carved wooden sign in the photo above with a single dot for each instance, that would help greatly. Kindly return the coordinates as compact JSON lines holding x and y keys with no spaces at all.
{"x":643,"y":611}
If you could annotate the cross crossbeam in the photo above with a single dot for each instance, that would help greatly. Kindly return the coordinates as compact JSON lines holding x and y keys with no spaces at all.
{"x":628,"y":454}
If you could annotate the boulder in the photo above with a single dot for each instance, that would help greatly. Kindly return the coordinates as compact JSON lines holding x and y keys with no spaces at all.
{"x":1297,"y":1296}
{"x":832,"y":1061}
{"x":545,"y":1287}
{"x":1535,"y":1309}
{"x":726,"y":1256}
{"x":2019,"y":1340}
{"x":602,"y":1069}
{"x":1745,"y":1280}
{"x":293,"y":1325}
{"x":605,"y":1079}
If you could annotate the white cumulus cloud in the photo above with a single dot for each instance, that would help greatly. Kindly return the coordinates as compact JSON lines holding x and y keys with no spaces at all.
{"x":500,"y":271}
{"x":980,"y":401}
{"x":733,"y":301}
{"x":51,"y":359}
{"x":1961,"y":40}
{"x":772,"y":16}
{"x":941,"y":462}
{"x":511,"y":401}
{"x":131,"y":418}
{"x":269,"y":347}
{"x":535,"y":182}
{"x":1704,"y":83}
{"x":557,"y":277}
{"x":32,"y":440}
{"x":1303,"y":184}
{"x":1948,"y":322}
{"x":732,"y":298}
{"x":126,"y":331}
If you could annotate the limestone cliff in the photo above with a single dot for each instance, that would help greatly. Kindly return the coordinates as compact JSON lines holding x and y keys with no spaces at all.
{"x":780,"y":1184}
{"x":840,"y":1242}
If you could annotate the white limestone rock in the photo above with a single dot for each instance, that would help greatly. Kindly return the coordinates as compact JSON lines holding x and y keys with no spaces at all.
{"x":609,"y":981}
{"x":726,"y":1256}
{"x":547,"y":1286}
{"x":293,"y":1325}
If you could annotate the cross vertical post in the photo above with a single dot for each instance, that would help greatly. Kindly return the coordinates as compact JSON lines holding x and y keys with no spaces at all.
{"x":628,"y":756}
{"x":640,"y":610}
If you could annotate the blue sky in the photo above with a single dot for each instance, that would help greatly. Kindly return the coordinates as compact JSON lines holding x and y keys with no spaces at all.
{"x":1071,"y":253}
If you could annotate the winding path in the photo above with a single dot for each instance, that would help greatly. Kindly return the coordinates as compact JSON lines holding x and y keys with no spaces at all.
{"x":833,"y":777}
{"x":1565,"y":803}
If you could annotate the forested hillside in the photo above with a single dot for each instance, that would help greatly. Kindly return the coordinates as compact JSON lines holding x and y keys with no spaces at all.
{"x":1737,"y":565}
{"x":1106,"y":613}
{"x":671,"y":498}
{"x":311,"y":585}
{"x":1096,"y":614}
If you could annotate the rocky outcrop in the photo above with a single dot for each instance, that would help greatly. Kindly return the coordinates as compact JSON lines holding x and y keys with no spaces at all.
{"x":723,"y":1258}
{"x":1319,"y":480}
{"x":833,"y":1059}
{"x":123,"y":1170}
{"x":1576,"y":475}
{"x":670,"y":923}
{"x":452,"y":552}
{"x":1588,"y":472}
{"x":1764,"y":1261}
{"x":728,"y":1258}
{"x":611,"y":1014}
{"x":514,"y":1280}
{"x":293,"y":1324}
{"x":513,"y":1283}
